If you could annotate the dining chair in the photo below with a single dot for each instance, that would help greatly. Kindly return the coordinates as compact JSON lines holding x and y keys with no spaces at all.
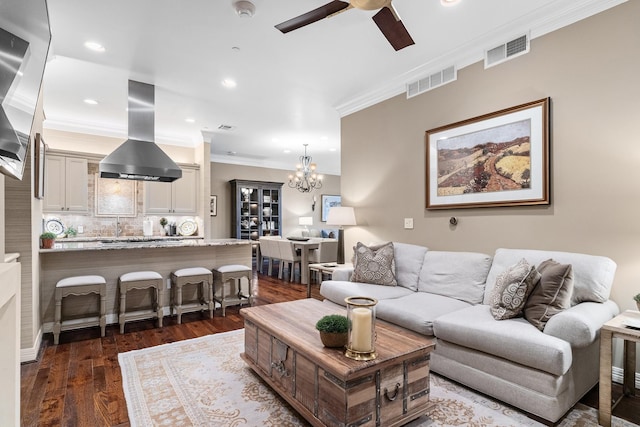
{"x":288,"y":256}
{"x":327,"y":252}
{"x":269,"y":250}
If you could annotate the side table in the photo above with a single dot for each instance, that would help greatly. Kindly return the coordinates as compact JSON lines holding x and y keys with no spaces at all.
{"x":324,"y":268}
{"x":615,"y":328}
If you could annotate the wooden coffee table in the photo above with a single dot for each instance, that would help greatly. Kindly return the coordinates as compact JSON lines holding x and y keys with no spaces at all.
{"x":322,"y":384}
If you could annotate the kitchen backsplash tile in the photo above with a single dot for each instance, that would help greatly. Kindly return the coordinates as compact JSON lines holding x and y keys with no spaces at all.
{"x":94,"y":226}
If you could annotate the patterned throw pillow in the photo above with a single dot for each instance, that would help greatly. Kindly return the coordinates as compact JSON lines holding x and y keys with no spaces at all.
{"x":375,"y":265}
{"x":512,"y":289}
{"x":552,"y":295}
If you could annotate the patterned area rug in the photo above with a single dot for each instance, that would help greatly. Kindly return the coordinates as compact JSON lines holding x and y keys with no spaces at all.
{"x":204,"y":382}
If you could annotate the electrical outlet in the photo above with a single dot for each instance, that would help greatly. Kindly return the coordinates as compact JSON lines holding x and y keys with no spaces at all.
{"x":408,"y":223}
{"x":168,"y":283}
{"x":80,"y":229}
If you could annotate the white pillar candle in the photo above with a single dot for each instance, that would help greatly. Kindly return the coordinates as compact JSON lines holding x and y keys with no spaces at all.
{"x":361,"y":329}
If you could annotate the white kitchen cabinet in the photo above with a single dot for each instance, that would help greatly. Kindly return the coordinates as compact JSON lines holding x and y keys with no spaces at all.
{"x":66,"y":184}
{"x":179,"y":197}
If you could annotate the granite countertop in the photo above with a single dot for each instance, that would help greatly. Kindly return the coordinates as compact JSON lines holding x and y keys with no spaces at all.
{"x":67,"y":245}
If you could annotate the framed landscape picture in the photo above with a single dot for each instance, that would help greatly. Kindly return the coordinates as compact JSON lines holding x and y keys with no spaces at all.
{"x":498,"y":159}
{"x":328,"y":201}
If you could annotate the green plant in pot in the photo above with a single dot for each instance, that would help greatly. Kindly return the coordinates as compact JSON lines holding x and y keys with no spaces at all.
{"x":333,"y":330}
{"x":163,"y":223}
{"x":636,"y":298}
{"x":47,"y":240}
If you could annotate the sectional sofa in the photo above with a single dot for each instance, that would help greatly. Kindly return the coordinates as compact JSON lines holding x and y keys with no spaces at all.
{"x":448,"y":295}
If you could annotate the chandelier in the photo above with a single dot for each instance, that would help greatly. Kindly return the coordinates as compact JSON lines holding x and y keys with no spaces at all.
{"x":305,"y":178}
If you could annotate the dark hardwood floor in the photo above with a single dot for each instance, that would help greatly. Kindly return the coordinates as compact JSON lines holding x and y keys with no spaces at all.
{"x":78,"y":382}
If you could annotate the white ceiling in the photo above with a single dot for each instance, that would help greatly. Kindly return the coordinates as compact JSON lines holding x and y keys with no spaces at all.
{"x":291,"y":88}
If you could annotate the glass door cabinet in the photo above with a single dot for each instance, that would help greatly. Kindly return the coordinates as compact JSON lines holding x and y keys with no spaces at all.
{"x":256,"y":209}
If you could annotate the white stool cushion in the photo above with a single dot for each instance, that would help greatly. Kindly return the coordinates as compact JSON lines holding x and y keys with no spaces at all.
{"x":232,"y":268}
{"x":140,"y":275}
{"x":80,"y":280}
{"x":193,"y":271}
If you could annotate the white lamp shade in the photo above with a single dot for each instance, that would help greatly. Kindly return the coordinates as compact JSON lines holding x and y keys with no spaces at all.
{"x":341,"y":215}
{"x":305,"y":220}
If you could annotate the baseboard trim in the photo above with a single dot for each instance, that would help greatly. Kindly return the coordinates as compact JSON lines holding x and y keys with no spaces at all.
{"x":617,"y":376}
{"x":31,"y":354}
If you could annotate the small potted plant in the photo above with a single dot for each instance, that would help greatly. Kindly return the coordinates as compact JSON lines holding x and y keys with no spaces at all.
{"x":47,"y":240}
{"x":637,"y":300}
{"x":163,"y":223}
{"x":333,"y":330}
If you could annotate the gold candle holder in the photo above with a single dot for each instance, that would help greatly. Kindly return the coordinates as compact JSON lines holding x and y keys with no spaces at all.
{"x":361,"y":334}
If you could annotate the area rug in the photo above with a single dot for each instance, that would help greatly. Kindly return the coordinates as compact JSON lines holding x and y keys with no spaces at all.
{"x":204,"y":382}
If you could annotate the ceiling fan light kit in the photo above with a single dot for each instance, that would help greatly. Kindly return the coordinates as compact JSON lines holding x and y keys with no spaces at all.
{"x":386,"y":19}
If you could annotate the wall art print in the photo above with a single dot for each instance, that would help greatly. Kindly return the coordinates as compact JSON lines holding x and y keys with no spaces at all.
{"x":328,"y":201}
{"x":497,"y":159}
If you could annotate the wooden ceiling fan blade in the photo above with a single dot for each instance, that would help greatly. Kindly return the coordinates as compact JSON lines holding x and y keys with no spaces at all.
{"x":313,"y":16}
{"x":393,"y":28}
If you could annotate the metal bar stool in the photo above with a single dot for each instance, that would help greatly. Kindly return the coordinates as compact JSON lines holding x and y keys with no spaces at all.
{"x":80,"y":285}
{"x":140,"y":280}
{"x":199,"y":276}
{"x":233,"y":274}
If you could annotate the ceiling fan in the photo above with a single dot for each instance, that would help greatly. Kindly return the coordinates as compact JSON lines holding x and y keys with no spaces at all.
{"x":386,"y":19}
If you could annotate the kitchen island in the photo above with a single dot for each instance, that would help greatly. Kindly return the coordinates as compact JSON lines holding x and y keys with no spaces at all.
{"x":111,"y":258}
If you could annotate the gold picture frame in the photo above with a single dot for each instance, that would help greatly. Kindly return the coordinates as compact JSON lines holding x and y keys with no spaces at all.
{"x":497,"y":159}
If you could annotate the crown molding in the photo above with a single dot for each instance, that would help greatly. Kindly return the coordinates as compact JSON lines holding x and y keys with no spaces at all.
{"x":543,"y":21}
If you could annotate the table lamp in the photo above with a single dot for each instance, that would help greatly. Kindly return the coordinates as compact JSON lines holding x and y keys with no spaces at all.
{"x":306,"y":221}
{"x":341,"y":216}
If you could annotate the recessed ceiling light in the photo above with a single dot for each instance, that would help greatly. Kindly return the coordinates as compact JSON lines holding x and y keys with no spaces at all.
{"x":286,"y":151}
{"x":449,"y":2}
{"x":333,"y":149}
{"x":94,"y":46}
{"x":190,"y":120}
{"x":229,"y":83}
{"x":91,"y":101}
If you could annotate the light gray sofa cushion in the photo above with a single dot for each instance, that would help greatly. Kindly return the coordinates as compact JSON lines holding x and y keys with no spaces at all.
{"x":337,"y":291}
{"x":409,"y":261}
{"x":459,"y":275}
{"x":592,"y":274}
{"x":513,"y":339}
{"x":417,"y":311}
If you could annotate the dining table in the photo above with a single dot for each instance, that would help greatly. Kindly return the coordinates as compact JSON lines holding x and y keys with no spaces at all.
{"x":305,"y":250}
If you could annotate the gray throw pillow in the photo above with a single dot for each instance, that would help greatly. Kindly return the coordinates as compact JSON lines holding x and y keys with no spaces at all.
{"x":375,"y":265}
{"x":552,"y":294}
{"x":512,"y":289}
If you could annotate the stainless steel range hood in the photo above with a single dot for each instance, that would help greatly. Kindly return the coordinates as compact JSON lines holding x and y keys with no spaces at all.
{"x":139,"y":158}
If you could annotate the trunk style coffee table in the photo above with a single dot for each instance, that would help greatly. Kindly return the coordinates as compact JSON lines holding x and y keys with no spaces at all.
{"x":328,"y":389}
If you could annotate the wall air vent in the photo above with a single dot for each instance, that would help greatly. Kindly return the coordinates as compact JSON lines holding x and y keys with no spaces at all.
{"x":226,"y":127}
{"x":506,"y":51}
{"x":432,"y":81}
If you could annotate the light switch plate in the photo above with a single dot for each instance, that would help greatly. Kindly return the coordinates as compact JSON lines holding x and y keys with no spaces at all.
{"x":408,"y":223}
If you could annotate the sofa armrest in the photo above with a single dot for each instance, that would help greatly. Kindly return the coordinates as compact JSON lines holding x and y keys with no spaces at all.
{"x":343,"y":274}
{"x":580,"y":325}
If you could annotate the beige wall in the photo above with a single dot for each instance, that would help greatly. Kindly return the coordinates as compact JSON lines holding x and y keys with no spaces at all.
{"x":295,"y":204}
{"x":590,"y":70}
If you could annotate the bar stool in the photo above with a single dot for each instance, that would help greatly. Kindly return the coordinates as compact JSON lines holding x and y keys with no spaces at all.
{"x":231,"y":273}
{"x":192,"y":276}
{"x":140,"y":280}
{"x":80,"y":285}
